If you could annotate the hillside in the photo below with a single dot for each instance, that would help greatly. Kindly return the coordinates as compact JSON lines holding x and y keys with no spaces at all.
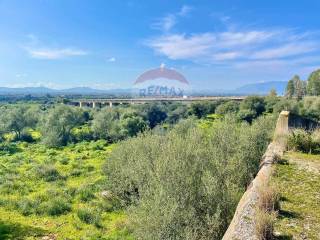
{"x":249,"y":89}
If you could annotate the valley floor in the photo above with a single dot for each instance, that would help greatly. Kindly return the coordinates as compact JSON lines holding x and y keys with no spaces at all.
{"x":298,"y":178}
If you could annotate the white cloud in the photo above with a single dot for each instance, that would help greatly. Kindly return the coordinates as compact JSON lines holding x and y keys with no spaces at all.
{"x":185,"y":10}
{"x":32,"y":84}
{"x":104,"y":86}
{"x":225,"y":19}
{"x":286,"y":50}
{"x":21,"y":75}
{"x":182,"y":47}
{"x":166,"y":23}
{"x":47,"y":53}
{"x":112,"y":59}
{"x":38,"y":50}
{"x":261,"y":64}
{"x":227,"y":56}
{"x":170,"y":20}
{"x":217,"y":47}
{"x":232,"y":39}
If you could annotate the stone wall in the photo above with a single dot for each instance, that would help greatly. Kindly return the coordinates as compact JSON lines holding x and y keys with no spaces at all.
{"x":242,"y":226}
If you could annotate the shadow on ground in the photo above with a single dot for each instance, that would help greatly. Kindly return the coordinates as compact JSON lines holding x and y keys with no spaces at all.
{"x":10,"y":231}
{"x":282,"y":237}
{"x":288,"y":214}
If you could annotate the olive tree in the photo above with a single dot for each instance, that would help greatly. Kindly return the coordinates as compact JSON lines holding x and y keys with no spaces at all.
{"x":313,"y":87}
{"x":186,"y":184}
{"x":18,"y":118}
{"x":57,"y":124}
{"x":106,"y":125}
{"x":227,"y":107}
{"x":251,"y":107}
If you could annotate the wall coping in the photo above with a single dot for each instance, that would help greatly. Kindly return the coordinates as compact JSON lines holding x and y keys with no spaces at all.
{"x":243,"y":226}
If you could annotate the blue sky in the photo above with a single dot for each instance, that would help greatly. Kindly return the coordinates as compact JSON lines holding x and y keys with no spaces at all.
{"x":107,"y":44}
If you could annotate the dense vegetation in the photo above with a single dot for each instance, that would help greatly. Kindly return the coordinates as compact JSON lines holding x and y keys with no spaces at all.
{"x":186,"y":184}
{"x":62,"y":124}
{"x":62,"y":190}
{"x":153,"y":171}
{"x":58,"y":192}
{"x":304,"y":141}
{"x":298,"y":88}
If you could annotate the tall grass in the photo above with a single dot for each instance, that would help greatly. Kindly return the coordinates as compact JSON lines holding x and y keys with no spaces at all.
{"x":266,"y":211}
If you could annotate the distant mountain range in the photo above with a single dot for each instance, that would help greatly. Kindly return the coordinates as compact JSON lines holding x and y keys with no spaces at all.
{"x":249,"y":89}
{"x":262,"y":88}
{"x":69,"y":91}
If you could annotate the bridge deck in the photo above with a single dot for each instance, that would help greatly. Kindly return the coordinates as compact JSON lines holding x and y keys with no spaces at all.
{"x":153,"y":99}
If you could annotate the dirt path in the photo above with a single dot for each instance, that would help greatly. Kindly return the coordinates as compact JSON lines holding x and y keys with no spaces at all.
{"x":309,"y":163}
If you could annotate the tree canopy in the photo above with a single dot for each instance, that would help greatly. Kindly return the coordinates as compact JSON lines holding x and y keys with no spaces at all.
{"x":313,"y":87}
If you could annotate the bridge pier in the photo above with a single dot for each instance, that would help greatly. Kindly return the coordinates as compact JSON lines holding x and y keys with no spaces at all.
{"x":94,"y":105}
{"x":81,"y":104}
{"x":110,"y":104}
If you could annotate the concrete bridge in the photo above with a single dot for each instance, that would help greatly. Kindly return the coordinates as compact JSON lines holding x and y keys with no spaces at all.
{"x":118,"y":101}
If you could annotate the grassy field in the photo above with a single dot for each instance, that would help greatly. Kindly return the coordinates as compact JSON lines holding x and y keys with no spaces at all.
{"x":298,"y":178}
{"x":57,"y":193}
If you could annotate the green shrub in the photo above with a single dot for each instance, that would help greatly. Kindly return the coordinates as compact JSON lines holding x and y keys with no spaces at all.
{"x":57,"y":125}
{"x":26,"y":206}
{"x":300,"y":140}
{"x":89,"y":216}
{"x":26,"y":137}
{"x":76,"y":172}
{"x":64,"y":161}
{"x":304,"y":141}
{"x":227,"y":107}
{"x":8,"y":148}
{"x":315,"y":136}
{"x":56,"y":206}
{"x":186,"y":184}
{"x":82,"y":133}
{"x":86,"y":193}
{"x":49,"y":173}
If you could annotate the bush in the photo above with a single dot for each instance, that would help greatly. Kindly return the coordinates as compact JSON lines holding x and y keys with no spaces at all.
{"x":8,"y":148}
{"x":57,"y":206}
{"x":315,"y":136}
{"x":300,"y":140}
{"x":89,"y":216}
{"x":304,"y":141}
{"x":57,"y":125}
{"x":27,"y":206}
{"x":106,"y":125}
{"x":227,"y":107}
{"x":24,"y":136}
{"x":86,"y":193}
{"x":186,"y":184}
{"x":251,"y":108}
{"x":49,"y":173}
{"x":83,"y":133}
{"x":202,"y":109}
{"x":64,"y":160}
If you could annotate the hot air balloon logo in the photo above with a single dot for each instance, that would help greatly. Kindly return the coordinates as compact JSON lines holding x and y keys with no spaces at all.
{"x":161,"y":82}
